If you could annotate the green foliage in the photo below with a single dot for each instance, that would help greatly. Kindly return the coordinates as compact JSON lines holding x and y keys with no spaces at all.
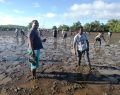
{"x":75,"y":25}
{"x":30,"y":25}
{"x":10,"y":27}
{"x":54,"y":27}
{"x":63,"y":27}
{"x":112,"y":25}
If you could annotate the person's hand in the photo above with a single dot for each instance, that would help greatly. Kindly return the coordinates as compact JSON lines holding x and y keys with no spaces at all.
{"x":33,"y":54}
{"x":44,"y":40}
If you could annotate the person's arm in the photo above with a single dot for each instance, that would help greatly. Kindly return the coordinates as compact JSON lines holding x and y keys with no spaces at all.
{"x":103,"y":38}
{"x":74,"y":45}
{"x":87,"y":42}
{"x":30,"y":42}
{"x":74,"y":48}
{"x":97,"y":35}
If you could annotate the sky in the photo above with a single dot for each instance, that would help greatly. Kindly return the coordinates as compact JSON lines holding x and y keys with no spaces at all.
{"x":57,"y":12}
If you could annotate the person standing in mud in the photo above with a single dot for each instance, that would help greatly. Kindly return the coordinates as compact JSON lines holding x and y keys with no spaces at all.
{"x":64,"y":33}
{"x":16,"y":32}
{"x":22,"y":32}
{"x":40,"y":32}
{"x":98,"y":37}
{"x":82,"y":43}
{"x":109,"y":34}
{"x":34,"y":46}
{"x":55,"y":35}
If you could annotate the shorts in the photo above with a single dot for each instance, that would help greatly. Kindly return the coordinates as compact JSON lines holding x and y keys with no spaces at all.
{"x":37,"y":54}
{"x":98,"y":39}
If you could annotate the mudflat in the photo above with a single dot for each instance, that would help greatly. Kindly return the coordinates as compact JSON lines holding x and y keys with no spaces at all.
{"x":57,"y":74}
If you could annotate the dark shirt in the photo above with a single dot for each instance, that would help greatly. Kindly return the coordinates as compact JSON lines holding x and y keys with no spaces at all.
{"x":37,"y":43}
{"x":55,"y":33}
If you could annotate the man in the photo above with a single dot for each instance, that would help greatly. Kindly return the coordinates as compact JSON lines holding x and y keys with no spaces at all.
{"x":22,"y":32}
{"x":109,"y":34}
{"x":98,"y":37}
{"x":82,"y":43}
{"x":40,"y":32}
{"x":16,"y":32}
{"x":55,"y":33}
{"x":34,"y":46}
{"x":64,"y":33}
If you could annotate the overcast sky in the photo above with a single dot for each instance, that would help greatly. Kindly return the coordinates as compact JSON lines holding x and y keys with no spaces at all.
{"x":57,"y":12}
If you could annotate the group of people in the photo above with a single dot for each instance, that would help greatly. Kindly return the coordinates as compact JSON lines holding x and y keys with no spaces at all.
{"x":55,"y":32}
{"x":17,"y":32}
{"x":101,"y":35}
{"x":80,"y":45}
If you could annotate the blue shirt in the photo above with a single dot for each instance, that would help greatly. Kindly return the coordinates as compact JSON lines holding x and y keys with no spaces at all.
{"x":37,"y":43}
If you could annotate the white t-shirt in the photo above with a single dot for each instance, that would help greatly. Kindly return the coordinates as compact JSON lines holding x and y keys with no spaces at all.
{"x":109,"y":33}
{"x":63,"y":32}
{"x":16,"y":31}
{"x":80,"y":41}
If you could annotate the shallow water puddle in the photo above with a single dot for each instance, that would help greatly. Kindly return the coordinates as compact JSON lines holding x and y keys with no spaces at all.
{"x":30,"y":84}
{"x":109,"y":72}
{"x":3,"y":92}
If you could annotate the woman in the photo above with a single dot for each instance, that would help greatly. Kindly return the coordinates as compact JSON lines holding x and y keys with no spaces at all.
{"x":34,"y":46}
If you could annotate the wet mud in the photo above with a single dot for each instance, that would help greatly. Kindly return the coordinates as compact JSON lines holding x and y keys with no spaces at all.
{"x":57,"y":74}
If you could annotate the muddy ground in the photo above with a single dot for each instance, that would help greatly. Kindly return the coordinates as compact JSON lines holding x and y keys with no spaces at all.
{"x":57,"y":74}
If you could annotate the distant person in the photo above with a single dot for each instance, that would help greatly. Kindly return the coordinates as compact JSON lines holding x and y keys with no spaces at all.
{"x":109,"y":34}
{"x":82,"y":43}
{"x":64,"y":33}
{"x":55,"y":33}
{"x":16,"y":32}
{"x":98,"y":37}
{"x":22,"y":32}
{"x":47,"y":30}
{"x":34,"y":46}
{"x":40,"y":32}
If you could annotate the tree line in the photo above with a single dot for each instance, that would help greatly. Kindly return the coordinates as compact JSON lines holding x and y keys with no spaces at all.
{"x":112,"y":25}
{"x":11,"y":27}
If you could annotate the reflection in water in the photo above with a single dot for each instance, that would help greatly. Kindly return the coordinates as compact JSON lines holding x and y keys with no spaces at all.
{"x":83,"y":77}
{"x":55,"y":45}
{"x":64,"y":43}
{"x":32,"y":83}
{"x":17,"y":40}
{"x":109,"y":40}
{"x":3,"y":92}
{"x":97,"y":50}
{"x":55,"y":40}
{"x":22,"y":40}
